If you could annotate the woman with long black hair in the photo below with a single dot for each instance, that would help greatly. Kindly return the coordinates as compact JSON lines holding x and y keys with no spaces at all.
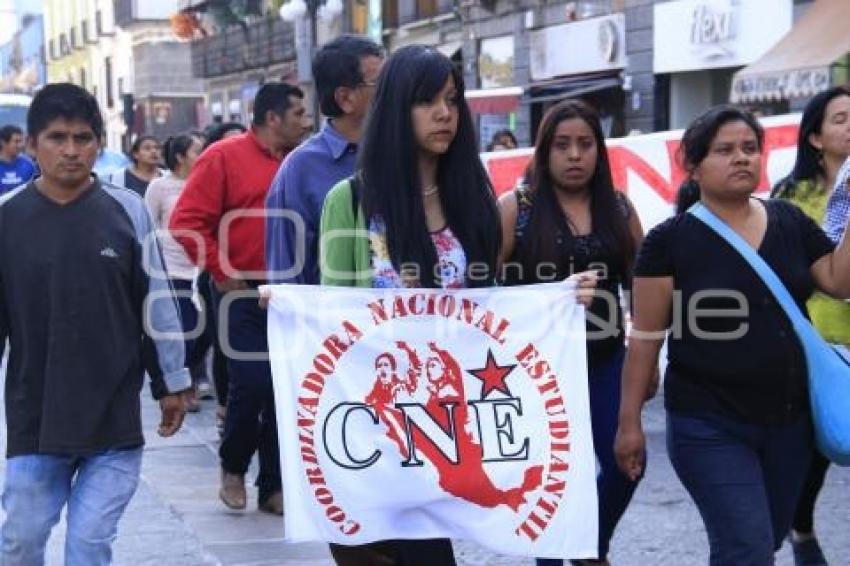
{"x":420,"y":183}
{"x":823,"y":145}
{"x":426,"y":211}
{"x":568,"y":220}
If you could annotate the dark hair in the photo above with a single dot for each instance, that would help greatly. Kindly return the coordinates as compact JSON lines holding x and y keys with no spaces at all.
{"x":66,"y":101}
{"x":808,"y":164}
{"x":9,"y":130}
{"x":217,"y":132}
{"x":547,"y":217}
{"x":389,"y":170}
{"x":696,"y":141}
{"x":338,"y":64}
{"x":137,"y":145}
{"x":177,"y":145}
{"x":687,"y":195}
{"x":503,"y":133}
{"x":273,"y":97}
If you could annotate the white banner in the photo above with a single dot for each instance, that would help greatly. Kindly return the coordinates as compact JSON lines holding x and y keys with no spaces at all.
{"x":424,"y":413}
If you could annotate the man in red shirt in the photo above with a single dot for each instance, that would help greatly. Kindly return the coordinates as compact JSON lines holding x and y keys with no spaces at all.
{"x":219,"y":220}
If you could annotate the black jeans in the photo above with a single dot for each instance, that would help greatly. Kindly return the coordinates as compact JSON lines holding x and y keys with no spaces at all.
{"x":250,"y":424}
{"x":804,"y":516}
{"x":425,"y":552}
{"x":206,"y":288}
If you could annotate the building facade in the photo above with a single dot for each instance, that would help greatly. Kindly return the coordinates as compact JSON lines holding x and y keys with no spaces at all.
{"x":22,"y":59}
{"x":164,"y":96}
{"x":234,"y":61}
{"x":84,"y":47}
{"x":125,"y":53}
{"x":645,"y":65}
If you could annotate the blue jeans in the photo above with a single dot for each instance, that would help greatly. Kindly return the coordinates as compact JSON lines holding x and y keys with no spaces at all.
{"x":614,"y":489}
{"x":745,"y":479}
{"x":96,"y":488}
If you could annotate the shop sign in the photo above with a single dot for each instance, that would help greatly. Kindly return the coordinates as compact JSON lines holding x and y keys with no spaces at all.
{"x":691,"y":35}
{"x":586,"y":46}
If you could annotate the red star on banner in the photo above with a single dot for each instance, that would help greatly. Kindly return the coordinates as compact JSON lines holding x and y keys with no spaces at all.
{"x":493,"y":376}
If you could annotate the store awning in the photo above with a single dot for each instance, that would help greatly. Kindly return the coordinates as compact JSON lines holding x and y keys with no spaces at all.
{"x":572,"y":86}
{"x":494,"y":100}
{"x":800,"y":64}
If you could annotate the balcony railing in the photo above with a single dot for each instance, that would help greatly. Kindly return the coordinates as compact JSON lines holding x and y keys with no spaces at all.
{"x":262,"y":43}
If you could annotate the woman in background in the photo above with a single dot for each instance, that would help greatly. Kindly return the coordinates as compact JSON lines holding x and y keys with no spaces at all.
{"x":570,"y":219}
{"x":823,"y":145}
{"x":180,"y":153}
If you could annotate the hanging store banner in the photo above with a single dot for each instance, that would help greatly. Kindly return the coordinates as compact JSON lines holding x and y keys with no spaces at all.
{"x":424,"y":413}
{"x":693,"y":35}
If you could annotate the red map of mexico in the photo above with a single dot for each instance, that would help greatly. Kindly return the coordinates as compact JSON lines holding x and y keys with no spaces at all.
{"x":424,"y":400}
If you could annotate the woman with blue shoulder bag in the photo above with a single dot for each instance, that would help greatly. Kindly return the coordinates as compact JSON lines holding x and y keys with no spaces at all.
{"x":817,"y":184}
{"x":740,"y":362}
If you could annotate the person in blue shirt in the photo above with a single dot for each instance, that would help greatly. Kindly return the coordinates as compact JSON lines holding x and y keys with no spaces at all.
{"x":346,"y":71}
{"x":110,"y":161}
{"x":15,"y":169}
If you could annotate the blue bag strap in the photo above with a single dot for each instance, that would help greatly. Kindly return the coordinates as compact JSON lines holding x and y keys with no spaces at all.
{"x":760,"y":266}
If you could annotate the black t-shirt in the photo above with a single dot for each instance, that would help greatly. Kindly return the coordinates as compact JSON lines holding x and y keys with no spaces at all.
{"x":605,"y":326}
{"x":759,"y":377}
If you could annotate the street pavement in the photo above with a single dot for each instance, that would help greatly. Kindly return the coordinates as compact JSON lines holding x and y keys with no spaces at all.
{"x":176,"y":519}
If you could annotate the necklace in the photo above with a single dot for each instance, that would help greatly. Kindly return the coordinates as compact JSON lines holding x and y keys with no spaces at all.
{"x":430,"y":190}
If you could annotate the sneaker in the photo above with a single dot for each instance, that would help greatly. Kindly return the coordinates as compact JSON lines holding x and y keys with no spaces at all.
{"x":272,"y":504}
{"x":232,"y":491}
{"x":807,"y":552}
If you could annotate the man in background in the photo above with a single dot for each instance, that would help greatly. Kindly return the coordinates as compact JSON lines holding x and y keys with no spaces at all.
{"x":346,"y":71}
{"x":218,"y":219}
{"x":15,"y":169}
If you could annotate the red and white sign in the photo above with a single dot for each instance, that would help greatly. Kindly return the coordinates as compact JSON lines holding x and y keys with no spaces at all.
{"x":424,"y":413}
{"x":647,"y":168}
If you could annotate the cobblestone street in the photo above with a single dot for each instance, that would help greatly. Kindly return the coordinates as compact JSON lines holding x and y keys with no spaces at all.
{"x":176,"y":518}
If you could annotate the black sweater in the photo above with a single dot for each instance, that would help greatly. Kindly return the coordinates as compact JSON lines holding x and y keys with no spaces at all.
{"x":73,"y":285}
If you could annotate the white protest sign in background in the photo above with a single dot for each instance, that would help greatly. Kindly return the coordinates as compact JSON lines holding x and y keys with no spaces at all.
{"x":424,"y":413}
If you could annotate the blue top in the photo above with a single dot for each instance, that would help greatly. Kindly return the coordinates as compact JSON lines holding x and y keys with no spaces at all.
{"x":16,"y":173}
{"x":298,"y":190}
{"x":110,"y":161}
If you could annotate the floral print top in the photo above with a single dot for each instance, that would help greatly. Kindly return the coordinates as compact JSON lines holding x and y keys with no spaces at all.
{"x":450,"y":255}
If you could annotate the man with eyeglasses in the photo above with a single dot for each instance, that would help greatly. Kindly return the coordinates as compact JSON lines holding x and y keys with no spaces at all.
{"x":345,"y":71}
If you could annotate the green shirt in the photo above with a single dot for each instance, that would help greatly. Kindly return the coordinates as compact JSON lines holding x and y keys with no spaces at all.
{"x":344,"y":259}
{"x":830,"y":316}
